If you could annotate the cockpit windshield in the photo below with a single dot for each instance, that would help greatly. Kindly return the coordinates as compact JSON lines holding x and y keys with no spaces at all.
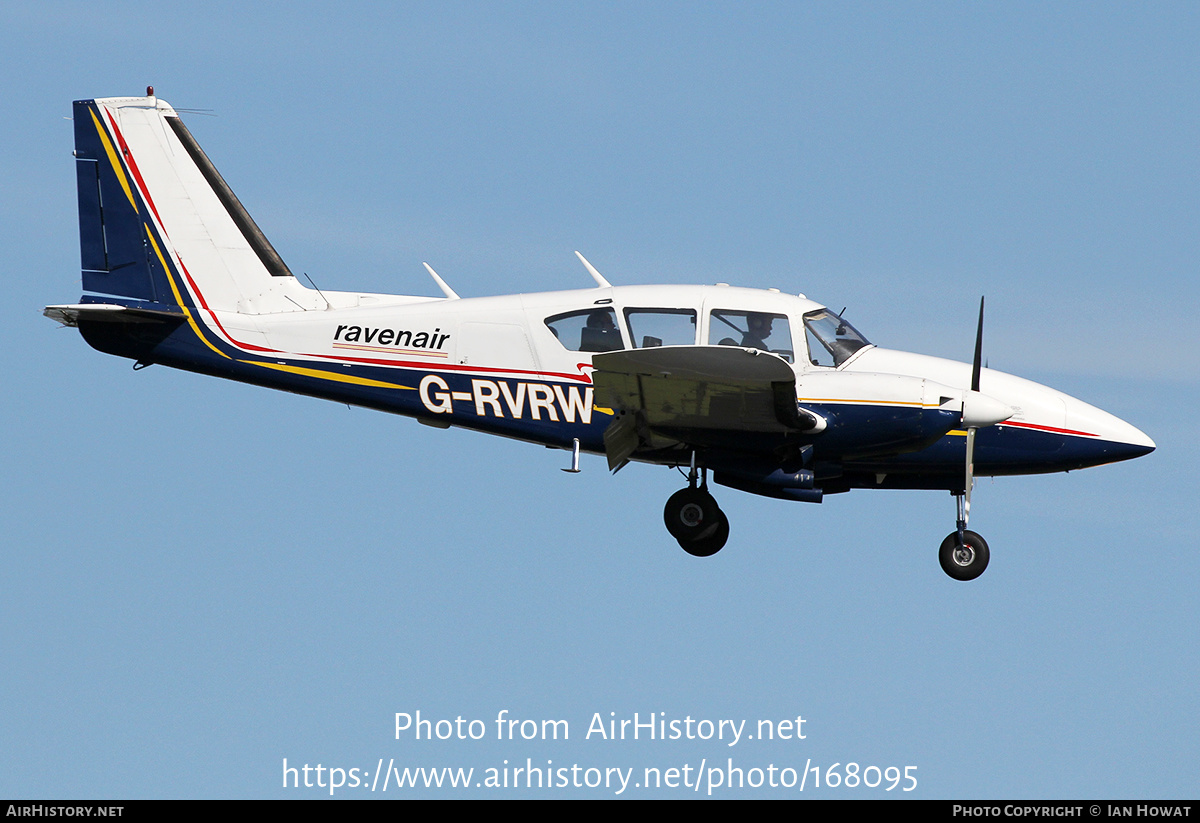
{"x":831,"y":340}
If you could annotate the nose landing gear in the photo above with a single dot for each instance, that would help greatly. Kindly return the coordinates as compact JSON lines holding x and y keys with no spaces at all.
{"x":964,"y":554}
{"x":964,"y":560}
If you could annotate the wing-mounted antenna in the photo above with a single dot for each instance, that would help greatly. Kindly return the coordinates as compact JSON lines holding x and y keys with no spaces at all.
{"x":446,"y":290}
{"x":597,"y":276}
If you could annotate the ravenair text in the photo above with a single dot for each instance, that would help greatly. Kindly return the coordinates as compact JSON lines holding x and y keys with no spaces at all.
{"x":397,"y":338}
{"x":509,"y":398}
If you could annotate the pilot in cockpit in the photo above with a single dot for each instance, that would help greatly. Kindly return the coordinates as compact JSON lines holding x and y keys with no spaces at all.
{"x":758,"y":329}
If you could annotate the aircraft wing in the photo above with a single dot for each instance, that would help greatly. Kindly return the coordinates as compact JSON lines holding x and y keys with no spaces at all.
{"x":687,"y":394}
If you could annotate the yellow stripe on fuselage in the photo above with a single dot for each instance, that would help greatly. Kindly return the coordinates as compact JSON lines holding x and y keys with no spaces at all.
{"x":869,"y":402}
{"x":328,"y":375}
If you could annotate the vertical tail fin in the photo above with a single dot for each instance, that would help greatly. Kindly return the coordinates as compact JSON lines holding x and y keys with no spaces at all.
{"x":112,"y":248}
{"x":158,"y":223}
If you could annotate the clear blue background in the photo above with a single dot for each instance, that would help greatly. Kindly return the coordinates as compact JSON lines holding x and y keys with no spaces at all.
{"x":203,"y":578}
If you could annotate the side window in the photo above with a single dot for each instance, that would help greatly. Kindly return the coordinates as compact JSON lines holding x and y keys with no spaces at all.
{"x":661,"y":327}
{"x":751,"y":330}
{"x":594,"y":330}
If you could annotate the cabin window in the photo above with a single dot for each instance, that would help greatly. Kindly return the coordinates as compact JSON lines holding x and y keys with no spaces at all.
{"x":594,"y":330}
{"x":831,"y":340}
{"x":661,"y":327}
{"x":751,"y":330}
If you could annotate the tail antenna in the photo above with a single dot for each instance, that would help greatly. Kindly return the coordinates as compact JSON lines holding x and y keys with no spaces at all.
{"x":328,"y":305}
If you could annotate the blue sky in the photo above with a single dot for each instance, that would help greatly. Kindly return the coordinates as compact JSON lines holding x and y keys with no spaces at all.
{"x":204,"y":578}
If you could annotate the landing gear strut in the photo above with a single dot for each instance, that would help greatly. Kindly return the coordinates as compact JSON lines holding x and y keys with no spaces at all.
{"x":963,"y":554}
{"x":693,"y":517}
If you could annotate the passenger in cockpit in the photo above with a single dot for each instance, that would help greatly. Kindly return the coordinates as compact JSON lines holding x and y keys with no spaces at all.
{"x":600,"y":334}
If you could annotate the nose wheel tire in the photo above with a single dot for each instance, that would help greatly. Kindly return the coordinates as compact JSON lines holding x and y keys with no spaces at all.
{"x":965,"y":562}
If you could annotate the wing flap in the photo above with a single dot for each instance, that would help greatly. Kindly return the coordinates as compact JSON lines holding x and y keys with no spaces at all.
{"x":674,"y":389}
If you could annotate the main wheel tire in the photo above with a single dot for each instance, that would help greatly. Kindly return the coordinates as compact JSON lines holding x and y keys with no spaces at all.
{"x":964,"y":562}
{"x":710,"y":544}
{"x":691,"y":514}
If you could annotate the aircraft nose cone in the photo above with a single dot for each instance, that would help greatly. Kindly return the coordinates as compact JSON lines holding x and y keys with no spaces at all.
{"x":1128,"y":451}
{"x":1114,"y":439}
{"x":1130,"y":443}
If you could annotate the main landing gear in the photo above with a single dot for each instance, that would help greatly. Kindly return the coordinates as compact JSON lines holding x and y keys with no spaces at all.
{"x":694,"y":519}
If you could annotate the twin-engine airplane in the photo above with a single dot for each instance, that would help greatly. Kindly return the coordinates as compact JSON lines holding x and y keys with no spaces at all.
{"x":771,"y":393}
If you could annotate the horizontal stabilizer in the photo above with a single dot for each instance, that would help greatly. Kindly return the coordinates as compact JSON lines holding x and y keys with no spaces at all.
{"x":70,"y":315}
